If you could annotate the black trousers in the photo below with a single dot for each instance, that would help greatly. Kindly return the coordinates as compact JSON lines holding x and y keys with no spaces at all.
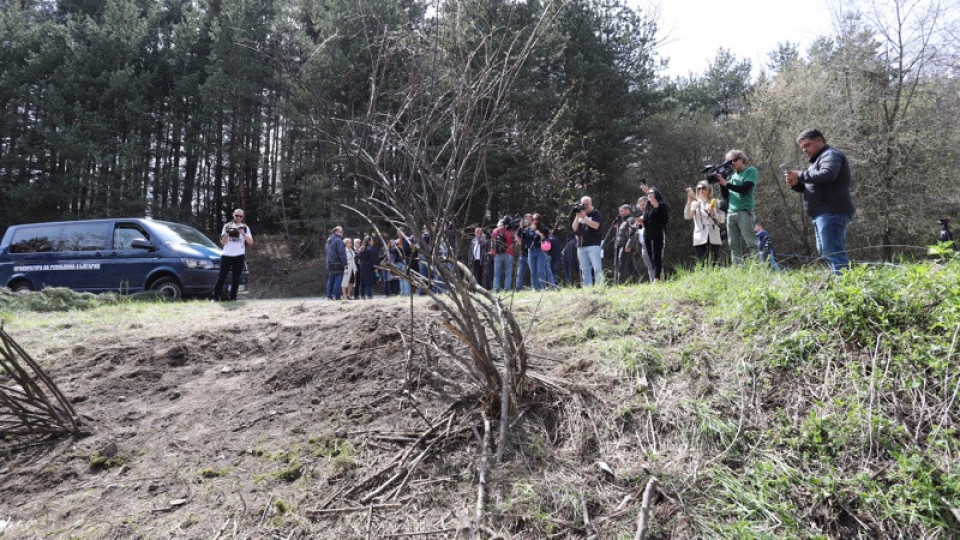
{"x":627,"y":267}
{"x":233,"y":265}
{"x":654,"y":243}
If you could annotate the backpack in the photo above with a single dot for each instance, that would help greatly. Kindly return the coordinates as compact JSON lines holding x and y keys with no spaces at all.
{"x":499,"y":242}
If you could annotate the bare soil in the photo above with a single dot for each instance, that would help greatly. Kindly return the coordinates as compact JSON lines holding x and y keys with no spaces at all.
{"x":268,"y":419}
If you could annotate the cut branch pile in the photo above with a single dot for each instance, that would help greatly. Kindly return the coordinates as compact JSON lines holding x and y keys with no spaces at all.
{"x":31,"y":405}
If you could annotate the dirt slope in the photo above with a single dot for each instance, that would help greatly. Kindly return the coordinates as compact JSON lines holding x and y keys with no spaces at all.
{"x":276,"y":419}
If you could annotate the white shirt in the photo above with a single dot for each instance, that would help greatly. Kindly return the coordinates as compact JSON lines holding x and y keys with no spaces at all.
{"x":477,"y":253}
{"x":235,"y":245}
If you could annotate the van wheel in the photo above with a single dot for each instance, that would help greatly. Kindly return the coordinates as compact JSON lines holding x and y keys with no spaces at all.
{"x":22,"y":286}
{"x":168,"y":287}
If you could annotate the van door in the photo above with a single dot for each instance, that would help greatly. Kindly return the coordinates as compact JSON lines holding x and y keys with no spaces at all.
{"x":130,"y":265}
{"x":81,"y":257}
{"x":61,"y":254}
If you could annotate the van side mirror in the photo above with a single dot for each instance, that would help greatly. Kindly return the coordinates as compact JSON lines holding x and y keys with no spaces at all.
{"x":140,"y":243}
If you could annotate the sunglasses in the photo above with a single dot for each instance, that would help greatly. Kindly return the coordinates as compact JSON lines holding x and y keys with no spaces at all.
{"x":238,"y":215}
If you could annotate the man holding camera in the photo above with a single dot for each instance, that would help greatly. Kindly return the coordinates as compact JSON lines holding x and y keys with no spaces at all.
{"x":586,"y":225}
{"x":825,"y":186}
{"x":501,"y":242}
{"x":739,"y":191}
{"x":234,"y":237}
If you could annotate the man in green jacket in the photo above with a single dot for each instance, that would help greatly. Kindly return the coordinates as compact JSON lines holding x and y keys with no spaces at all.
{"x":739,"y":191}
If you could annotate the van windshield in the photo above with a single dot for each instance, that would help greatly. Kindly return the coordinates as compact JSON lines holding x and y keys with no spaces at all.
{"x":177,"y":234}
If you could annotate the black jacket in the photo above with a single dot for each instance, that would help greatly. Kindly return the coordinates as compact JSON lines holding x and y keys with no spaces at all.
{"x":826,"y":184}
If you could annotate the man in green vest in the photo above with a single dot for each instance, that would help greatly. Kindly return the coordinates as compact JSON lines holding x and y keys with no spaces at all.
{"x":739,"y":191}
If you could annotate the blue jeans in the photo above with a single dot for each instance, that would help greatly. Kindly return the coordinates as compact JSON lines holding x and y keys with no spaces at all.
{"x":552,"y":268}
{"x":537,"y":260}
{"x":334,"y":282}
{"x":831,"y":231}
{"x":591,"y":265}
{"x":523,"y":269}
{"x":502,"y":272}
{"x":404,"y":284}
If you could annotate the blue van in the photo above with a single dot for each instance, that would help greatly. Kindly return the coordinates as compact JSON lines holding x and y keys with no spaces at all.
{"x":121,"y":255}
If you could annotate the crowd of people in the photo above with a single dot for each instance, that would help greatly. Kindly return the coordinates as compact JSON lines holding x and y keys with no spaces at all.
{"x":525,"y":252}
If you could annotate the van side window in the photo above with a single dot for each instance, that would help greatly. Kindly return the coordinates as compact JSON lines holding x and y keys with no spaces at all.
{"x":126,"y":233}
{"x":41,"y":239}
{"x":85,"y":236}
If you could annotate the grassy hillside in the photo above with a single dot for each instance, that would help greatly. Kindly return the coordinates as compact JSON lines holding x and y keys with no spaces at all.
{"x":768,"y":405}
{"x":788,"y":404}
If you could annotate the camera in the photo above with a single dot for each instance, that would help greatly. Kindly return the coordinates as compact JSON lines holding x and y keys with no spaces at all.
{"x":511,"y":223}
{"x":945,"y":234}
{"x":725,"y":169}
{"x":233,"y":231}
{"x":578,"y":207}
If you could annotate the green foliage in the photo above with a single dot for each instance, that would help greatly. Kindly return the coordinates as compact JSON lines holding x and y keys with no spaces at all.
{"x":97,"y":462}
{"x":292,"y":472}
{"x":63,"y":299}
{"x":213,"y":473}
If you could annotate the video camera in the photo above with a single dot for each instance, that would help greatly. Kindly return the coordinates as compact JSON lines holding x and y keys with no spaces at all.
{"x":512,"y":223}
{"x":725,"y":169}
{"x":577,"y":207}
{"x":234,"y":230}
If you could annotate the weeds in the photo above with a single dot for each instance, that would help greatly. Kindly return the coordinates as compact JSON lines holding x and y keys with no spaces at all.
{"x":98,"y":462}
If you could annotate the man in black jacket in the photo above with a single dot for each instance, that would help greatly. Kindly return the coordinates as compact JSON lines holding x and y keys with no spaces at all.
{"x":825,"y":186}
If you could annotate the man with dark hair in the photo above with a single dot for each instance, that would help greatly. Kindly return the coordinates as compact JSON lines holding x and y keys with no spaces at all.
{"x":825,"y":186}
{"x":739,"y":191}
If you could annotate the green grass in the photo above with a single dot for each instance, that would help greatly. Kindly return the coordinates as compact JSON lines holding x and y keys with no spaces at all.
{"x":849,"y":387}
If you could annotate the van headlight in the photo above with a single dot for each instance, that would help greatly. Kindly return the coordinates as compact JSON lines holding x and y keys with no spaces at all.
{"x":205,"y":264}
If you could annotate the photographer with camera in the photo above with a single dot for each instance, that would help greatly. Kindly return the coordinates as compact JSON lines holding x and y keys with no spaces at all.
{"x":626,"y":245}
{"x":739,"y":190}
{"x":501,"y":247}
{"x":825,"y":186}
{"x":234,"y":237}
{"x":707,"y":222}
{"x":586,"y":225}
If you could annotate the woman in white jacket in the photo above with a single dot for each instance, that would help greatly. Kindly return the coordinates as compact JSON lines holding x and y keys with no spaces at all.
{"x":350,"y":272}
{"x":708,"y":221}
